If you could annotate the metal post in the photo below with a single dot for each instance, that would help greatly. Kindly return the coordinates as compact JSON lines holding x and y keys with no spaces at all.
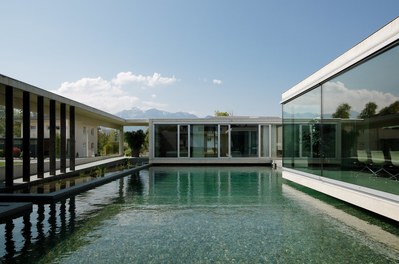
{"x":26,"y":136}
{"x":72,"y":148}
{"x":52,"y":147}
{"x":9,"y":142}
{"x":63,"y":138}
{"x":40,"y":137}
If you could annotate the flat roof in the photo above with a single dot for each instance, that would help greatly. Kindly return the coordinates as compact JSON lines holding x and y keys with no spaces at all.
{"x":221,"y":120}
{"x":80,"y":109}
{"x":380,"y":39}
{"x":112,"y":120}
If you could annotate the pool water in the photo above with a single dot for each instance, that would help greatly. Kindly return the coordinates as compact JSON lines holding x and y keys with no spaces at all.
{"x":200,"y":215}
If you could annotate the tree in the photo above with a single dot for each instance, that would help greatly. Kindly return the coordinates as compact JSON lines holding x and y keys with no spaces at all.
{"x":391,"y":109}
{"x":146,"y":141}
{"x":135,"y":140}
{"x":107,"y":141}
{"x":343,"y":111}
{"x":369,"y":110}
{"x":219,"y":113}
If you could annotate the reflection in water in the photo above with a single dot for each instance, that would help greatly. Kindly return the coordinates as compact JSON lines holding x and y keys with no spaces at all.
{"x":48,"y":232}
{"x":49,"y":224}
{"x":9,"y":244}
{"x":26,"y":233}
{"x":228,"y":210}
{"x":40,"y":227}
{"x":52,"y":221}
{"x":135,"y":184}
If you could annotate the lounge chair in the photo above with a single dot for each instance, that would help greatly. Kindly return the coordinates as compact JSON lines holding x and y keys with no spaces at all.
{"x":378,"y":160}
{"x":363,"y":158}
{"x":395,"y":162}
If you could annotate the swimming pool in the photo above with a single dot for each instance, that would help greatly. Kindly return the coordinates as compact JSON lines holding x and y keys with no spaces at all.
{"x":200,"y":215}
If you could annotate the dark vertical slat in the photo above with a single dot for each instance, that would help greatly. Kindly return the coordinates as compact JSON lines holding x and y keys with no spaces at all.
{"x":52,"y":147}
{"x":40,"y":137}
{"x":72,"y":149}
{"x":63,"y":138}
{"x":26,"y":136}
{"x":9,"y":142}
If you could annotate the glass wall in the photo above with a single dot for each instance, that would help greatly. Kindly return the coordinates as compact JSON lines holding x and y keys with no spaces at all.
{"x":357,"y":138}
{"x":301,"y":134}
{"x":276,"y":139}
{"x":165,"y":138}
{"x":244,"y":140}
{"x":2,"y":121}
{"x":224,"y":141}
{"x":216,"y":140}
{"x":264,"y":136}
{"x":183,"y":141}
{"x":204,"y":141}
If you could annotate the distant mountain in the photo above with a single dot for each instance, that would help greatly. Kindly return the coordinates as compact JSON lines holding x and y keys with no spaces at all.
{"x":152,"y":113}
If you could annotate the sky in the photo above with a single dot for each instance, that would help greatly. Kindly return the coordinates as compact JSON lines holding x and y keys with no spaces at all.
{"x":196,"y":56}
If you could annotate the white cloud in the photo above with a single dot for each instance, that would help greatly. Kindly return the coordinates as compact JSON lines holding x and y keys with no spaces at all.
{"x":336,"y":93}
{"x":156,"y":79}
{"x":218,"y":82}
{"x":114,"y":95}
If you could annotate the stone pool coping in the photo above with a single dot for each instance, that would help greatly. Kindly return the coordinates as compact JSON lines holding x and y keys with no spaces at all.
{"x":13,"y":210}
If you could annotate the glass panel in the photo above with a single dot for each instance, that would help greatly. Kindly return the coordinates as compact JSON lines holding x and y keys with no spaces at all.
{"x":224,"y":141}
{"x":361,"y":123}
{"x":108,"y":141}
{"x":204,"y":141}
{"x":183,"y":141}
{"x":18,"y":113}
{"x":265,"y":141}
{"x":2,"y":122}
{"x":277,"y":141}
{"x":165,"y":141}
{"x":244,"y":140}
{"x":301,"y":121}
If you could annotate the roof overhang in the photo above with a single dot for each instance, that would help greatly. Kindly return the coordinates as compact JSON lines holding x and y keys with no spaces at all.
{"x":380,"y":39}
{"x":102,"y":118}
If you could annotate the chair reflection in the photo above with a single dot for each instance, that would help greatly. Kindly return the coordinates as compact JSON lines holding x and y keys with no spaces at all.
{"x":363,"y":159}
{"x":378,"y":161}
{"x":395,"y":163}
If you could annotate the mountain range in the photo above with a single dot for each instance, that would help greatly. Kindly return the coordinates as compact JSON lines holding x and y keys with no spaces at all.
{"x":135,"y":113}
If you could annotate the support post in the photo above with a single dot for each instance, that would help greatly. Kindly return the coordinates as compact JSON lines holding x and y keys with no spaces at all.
{"x":9,"y":142}
{"x":63,"y":138}
{"x":72,"y":148}
{"x":26,"y":136}
{"x":52,"y":147}
{"x":40,"y":136}
{"x":121,"y":140}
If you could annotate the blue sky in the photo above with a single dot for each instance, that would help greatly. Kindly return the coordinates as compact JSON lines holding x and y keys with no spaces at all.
{"x":178,"y":55}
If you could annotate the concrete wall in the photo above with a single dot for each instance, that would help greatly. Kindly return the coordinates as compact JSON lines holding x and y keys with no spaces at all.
{"x":379,"y":202}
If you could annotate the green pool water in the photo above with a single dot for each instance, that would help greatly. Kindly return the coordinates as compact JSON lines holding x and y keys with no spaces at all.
{"x":200,"y":215}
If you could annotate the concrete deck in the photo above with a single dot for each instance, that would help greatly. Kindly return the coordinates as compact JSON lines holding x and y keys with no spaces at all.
{"x":15,"y":205}
{"x":78,"y":168}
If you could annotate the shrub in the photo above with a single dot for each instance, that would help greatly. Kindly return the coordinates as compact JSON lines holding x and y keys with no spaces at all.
{"x":16,"y":152}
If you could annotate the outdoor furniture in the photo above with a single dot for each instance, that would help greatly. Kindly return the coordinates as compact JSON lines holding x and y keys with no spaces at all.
{"x":395,"y":162}
{"x":378,"y":160}
{"x":363,"y":158}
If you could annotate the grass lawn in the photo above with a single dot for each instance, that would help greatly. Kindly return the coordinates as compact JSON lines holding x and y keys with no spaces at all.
{"x":3,"y":163}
